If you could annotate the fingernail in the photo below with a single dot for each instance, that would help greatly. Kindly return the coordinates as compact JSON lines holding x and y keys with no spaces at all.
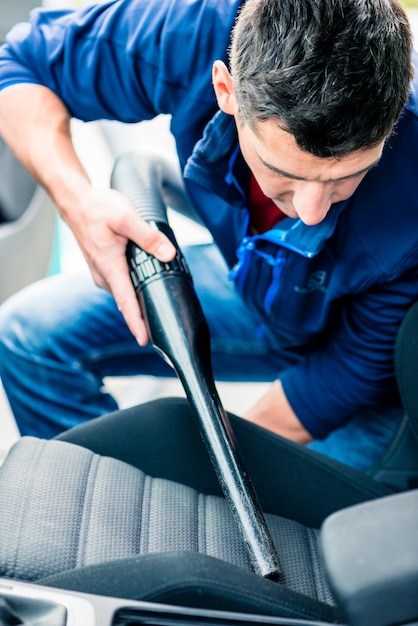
{"x":141,"y":340}
{"x":165,"y":252}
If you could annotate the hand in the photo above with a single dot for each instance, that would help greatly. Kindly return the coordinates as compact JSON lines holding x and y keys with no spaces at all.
{"x":102,"y":227}
{"x":36,"y":125}
{"x":274,"y":413}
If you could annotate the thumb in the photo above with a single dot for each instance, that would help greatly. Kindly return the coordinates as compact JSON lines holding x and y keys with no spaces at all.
{"x":148,"y":237}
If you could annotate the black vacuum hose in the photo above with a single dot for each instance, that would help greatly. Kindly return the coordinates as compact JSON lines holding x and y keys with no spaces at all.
{"x":178,"y":330}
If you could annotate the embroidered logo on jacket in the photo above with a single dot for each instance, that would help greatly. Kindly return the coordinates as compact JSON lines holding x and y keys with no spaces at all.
{"x":316,"y":282}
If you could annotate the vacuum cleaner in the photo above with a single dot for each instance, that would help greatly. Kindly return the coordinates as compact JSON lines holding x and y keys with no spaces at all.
{"x":178,"y":330}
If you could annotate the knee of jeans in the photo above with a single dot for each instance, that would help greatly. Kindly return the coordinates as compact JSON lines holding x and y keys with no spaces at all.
{"x":19,"y":328}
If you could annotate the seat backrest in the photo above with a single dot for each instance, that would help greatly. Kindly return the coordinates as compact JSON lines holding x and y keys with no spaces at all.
{"x":13,"y":12}
{"x":16,"y":186}
{"x":398,"y":467}
{"x":27,"y":226}
{"x":406,"y":362}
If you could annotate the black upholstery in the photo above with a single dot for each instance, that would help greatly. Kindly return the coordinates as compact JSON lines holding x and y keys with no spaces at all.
{"x":73,"y":517}
{"x":128,"y":505}
{"x":105,"y":511}
{"x":398,"y":467}
{"x":406,"y":363}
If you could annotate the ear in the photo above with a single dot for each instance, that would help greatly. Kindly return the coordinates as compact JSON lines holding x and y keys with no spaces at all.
{"x":224,"y":88}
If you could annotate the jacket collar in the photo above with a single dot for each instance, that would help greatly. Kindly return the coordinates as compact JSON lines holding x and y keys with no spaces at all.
{"x":210,"y":162}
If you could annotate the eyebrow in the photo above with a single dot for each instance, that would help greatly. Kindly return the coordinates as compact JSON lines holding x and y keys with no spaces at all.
{"x":293,"y":177}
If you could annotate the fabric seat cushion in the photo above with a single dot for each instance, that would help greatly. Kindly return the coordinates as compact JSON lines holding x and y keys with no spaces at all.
{"x":64,"y":507}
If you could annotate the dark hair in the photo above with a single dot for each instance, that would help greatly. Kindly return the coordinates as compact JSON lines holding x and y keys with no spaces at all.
{"x":334,"y":73}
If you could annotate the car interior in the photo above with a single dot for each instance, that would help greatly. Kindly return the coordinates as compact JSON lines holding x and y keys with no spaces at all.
{"x":99,"y":529}
{"x":98,"y":526}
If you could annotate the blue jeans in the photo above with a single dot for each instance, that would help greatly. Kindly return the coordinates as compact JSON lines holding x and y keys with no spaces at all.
{"x":60,"y":337}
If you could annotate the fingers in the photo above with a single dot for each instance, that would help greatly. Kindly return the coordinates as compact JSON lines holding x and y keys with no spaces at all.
{"x":120,"y":285}
{"x":154,"y":242}
{"x":145,"y":235}
{"x":102,"y":229}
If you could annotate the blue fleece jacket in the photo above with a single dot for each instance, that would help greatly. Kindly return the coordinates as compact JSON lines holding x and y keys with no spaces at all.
{"x":334,"y":294}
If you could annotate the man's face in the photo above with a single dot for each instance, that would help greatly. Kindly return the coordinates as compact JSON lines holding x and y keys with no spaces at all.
{"x":300,"y":184}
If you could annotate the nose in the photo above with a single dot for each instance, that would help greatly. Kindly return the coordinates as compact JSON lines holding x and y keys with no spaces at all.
{"x":312,"y":200}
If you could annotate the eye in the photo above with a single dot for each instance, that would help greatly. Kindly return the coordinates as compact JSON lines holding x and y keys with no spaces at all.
{"x":356,"y":176}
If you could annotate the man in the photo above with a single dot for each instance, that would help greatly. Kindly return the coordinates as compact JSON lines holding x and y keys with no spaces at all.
{"x":292,"y":163}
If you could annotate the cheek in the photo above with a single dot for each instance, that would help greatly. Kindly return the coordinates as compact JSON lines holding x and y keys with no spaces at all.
{"x":275,"y":189}
{"x":270,"y":184}
{"x":345,"y":189}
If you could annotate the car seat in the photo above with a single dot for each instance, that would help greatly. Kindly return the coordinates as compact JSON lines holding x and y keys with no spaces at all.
{"x":13,"y":12}
{"x":27,"y":226}
{"x":129,"y":506}
{"x":398,"y":466}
